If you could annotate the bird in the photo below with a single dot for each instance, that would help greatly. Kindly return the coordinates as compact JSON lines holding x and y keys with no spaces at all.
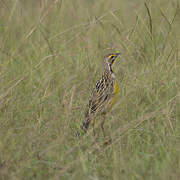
{"x":103,"y":95}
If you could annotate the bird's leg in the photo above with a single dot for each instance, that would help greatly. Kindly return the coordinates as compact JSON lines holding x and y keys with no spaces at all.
{"x":107,"y":141}
{"x":93,"y":123}
{"x":102,"y":124}
{"x":95,"y":135}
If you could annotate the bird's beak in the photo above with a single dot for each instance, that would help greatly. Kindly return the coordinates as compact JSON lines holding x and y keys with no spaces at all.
{"x":117,"y":54}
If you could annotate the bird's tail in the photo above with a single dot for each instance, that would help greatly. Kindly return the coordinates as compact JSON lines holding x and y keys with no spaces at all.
{"x":84,"y":127}
{"x":85,"y":124}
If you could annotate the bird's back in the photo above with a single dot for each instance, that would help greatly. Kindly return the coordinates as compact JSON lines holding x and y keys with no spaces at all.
{"x":102,"y":98}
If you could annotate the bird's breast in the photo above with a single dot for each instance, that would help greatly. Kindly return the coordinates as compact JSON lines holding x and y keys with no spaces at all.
{"x":115,"y":88}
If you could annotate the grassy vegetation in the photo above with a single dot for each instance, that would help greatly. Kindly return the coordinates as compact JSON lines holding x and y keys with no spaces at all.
{"x":50,"y":57}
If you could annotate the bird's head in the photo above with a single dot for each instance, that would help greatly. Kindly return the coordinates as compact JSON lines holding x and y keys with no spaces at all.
{"x":109,"y":60}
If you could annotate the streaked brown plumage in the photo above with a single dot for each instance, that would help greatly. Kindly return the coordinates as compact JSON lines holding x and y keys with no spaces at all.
{"x":103,"y":95}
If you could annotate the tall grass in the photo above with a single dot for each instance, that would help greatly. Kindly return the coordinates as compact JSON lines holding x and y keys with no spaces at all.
{"x":50,"y":58}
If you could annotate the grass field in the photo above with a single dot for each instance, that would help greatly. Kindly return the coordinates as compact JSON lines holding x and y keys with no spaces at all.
{"x":50,"y":58}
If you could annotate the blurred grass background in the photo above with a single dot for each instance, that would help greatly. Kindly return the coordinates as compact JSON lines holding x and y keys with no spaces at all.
{"x":50,"y":57}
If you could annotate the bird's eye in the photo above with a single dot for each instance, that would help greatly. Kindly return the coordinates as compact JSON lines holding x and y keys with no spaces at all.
{"x":112,"y":57}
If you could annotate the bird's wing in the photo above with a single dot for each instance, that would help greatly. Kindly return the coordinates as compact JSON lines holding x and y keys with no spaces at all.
{"x":100,"y":96}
